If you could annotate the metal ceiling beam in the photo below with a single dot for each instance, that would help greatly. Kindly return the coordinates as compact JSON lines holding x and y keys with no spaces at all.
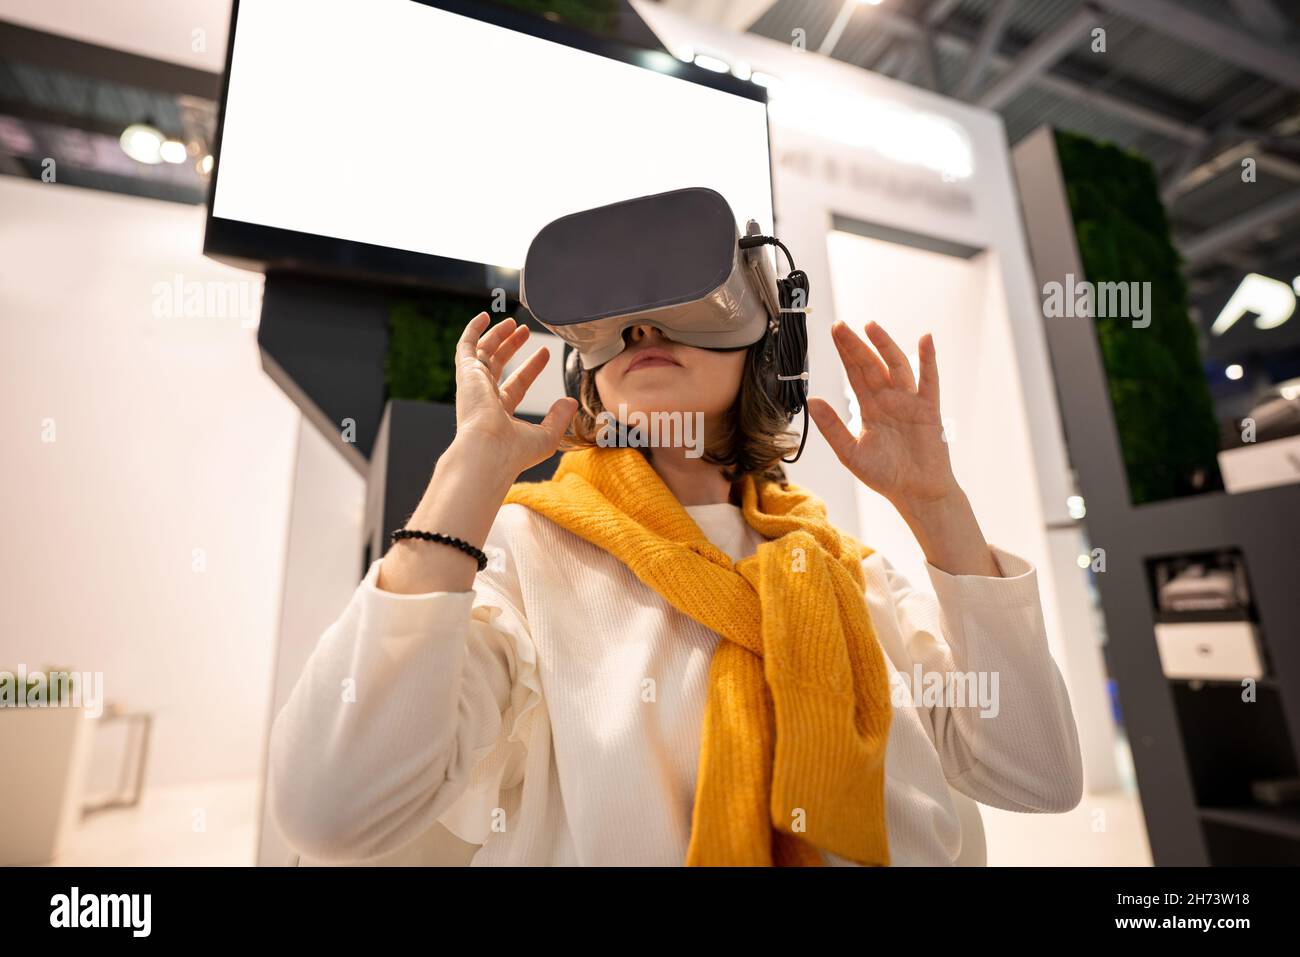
{"x":872,"y":50}
{"x":1205,"y":245}
{"x":946,"y":40}
{"x":907,"y":65}
{"x":1201,"y":166}
{"x":1232,"y":141}
{"x":929,"y":61}
{"x":938,"y":11}
{"x":1279,"y":62}
{"x":1145,"y":117}
{"x":902,"y":25}
{"x":1039,"y":56}
{"x":1196,"y":162}
{"x":1261,"y":16}
{"x":990,"y":38}
{"x":838,"y":27}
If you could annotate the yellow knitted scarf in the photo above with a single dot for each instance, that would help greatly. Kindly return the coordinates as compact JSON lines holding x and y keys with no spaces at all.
{"x":793,"y":751}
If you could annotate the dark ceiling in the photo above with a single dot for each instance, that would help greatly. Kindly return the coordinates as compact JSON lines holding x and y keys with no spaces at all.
{"x":1194,"y":85}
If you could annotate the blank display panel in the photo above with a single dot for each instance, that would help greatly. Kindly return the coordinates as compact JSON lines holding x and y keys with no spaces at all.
{"x":403,"y":125}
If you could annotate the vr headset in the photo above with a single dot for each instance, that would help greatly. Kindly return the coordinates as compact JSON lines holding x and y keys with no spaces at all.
{"x":675,"y":261}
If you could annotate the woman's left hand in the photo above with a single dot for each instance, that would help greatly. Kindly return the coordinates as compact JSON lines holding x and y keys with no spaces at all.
{"x":900,"y":451}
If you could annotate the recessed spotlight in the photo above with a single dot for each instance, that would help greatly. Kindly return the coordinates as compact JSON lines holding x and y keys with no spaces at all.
{"x":1234,"y":371}
{"x":143,"y":143}
{"x":712,"y":63}
{"x":173,"y":151}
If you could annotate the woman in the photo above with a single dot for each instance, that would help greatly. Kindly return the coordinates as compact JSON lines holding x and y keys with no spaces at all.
{"x":673,"y":658}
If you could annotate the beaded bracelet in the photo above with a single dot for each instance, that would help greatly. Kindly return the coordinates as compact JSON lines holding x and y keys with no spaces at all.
{"x":464,"y":546}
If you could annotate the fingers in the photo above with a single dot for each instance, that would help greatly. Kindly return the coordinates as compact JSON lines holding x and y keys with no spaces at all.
{"x":900,"y":370}
{"x":522,"y":379}
{"x":493,"y":341}
{"x":858,"y":381}
{"x":837,"y":434}
{"x":492,"y":347}
{"x":859,"y":359}
{"x":557,"y":419}
{"x":505,"y":350}
{"x":467,"y":344}
{"x":928,"y":388}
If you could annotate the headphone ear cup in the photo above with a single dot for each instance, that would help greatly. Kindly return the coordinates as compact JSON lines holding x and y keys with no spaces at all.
{"x":572,"y":373}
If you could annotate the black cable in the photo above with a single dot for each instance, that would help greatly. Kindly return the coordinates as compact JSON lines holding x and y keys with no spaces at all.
{"x":792,"y":349}
{"x":791,"y":338}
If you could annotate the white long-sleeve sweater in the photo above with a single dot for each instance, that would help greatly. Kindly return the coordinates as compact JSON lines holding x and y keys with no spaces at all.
{"x":553,"y":713}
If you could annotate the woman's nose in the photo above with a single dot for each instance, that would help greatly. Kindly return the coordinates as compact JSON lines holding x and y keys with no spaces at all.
{"x":642,"y":331}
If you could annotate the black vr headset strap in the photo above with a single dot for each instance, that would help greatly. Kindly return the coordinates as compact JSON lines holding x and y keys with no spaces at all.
{"x":791,"y":339}
{"x":572,"y":369}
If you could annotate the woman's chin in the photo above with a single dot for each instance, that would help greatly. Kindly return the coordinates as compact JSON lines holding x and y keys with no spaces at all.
{"x":645,"y":408}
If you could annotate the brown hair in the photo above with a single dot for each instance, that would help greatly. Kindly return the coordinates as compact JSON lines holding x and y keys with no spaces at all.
{"x":754,"y":435}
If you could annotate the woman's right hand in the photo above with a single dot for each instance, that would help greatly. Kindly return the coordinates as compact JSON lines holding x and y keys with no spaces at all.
{"x":485,"y":419}
{"x":474,"y":474}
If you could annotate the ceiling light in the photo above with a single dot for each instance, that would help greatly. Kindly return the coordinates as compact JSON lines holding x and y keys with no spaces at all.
{"x":712,"y":63}
{"x":1234,"y":371}
{"x":1074,"y":506}
{"x":143,"y":143}
{"x":173,"y":151}
{"x":205,"y":164}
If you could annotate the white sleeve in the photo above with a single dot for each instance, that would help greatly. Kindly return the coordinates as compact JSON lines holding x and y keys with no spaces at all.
{"x":1014,"y":745}
{"x":391,"y":721}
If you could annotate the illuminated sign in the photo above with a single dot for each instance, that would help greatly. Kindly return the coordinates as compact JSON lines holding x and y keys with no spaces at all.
{"x":1271,"y":300}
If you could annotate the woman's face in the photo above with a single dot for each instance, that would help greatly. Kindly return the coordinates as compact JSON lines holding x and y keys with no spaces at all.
{"x":655,"y":374}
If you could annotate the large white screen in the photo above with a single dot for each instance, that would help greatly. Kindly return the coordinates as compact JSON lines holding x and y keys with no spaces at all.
{"x":394,"y":123}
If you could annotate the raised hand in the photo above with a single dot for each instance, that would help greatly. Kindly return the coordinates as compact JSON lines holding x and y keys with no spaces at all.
{"x":900,"y":451}
{"x":473,"y":475}
{"x":485,"y":409}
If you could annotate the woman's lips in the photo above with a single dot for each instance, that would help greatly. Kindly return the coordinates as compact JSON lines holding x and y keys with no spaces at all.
{"x":650,"y":359}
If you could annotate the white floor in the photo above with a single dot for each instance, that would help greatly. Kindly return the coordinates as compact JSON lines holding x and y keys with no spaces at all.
{"x":207,"y":825}
{"x":1105,"y":830}
{"x":215,"y":825}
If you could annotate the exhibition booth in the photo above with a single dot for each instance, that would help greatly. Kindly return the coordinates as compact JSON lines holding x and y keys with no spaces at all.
{"x":899,"y":204}
{"x":250,"y":395}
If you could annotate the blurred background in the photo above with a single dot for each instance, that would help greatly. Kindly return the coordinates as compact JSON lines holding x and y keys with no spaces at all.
{"x":232,"y":271}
